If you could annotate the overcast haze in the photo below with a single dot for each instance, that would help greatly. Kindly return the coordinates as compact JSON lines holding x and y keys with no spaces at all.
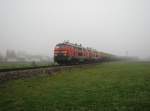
{"x":114,"y":26}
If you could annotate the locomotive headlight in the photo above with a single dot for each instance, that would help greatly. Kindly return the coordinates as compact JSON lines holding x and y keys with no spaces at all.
{"x":64,"y":52}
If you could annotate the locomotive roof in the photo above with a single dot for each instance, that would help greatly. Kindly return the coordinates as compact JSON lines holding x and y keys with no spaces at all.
{"x":71,"y":44}
{"x":79,"y":46}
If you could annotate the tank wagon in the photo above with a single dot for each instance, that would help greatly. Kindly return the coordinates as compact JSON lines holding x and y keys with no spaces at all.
{"x":68,"y":53}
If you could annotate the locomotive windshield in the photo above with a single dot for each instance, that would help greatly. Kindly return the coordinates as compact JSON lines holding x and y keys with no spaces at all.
{"x":61,"y":46}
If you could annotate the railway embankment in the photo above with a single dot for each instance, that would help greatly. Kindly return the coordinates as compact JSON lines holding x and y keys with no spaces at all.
{"x":27,"y":73}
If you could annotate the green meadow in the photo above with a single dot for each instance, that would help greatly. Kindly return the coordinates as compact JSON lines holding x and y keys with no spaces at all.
{"x":112,"y":86}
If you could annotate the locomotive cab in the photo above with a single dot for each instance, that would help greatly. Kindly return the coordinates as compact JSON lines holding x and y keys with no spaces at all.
{"x":60,"y":49}
{"x":61,"y":53}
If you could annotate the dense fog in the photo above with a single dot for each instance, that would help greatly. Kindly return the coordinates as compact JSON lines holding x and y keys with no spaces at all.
{"x":120,"y":27}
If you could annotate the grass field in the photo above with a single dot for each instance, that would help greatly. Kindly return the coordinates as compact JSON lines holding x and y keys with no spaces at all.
{"x":115,"y":86}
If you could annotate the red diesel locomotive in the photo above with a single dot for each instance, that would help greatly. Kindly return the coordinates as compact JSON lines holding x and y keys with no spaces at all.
{"x":68,"y":53}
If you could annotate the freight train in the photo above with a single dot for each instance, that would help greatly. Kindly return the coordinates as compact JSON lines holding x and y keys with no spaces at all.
{"x":69,"y":53}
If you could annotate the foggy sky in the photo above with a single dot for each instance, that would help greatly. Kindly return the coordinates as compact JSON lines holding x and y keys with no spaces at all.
{"x":114,"y":26}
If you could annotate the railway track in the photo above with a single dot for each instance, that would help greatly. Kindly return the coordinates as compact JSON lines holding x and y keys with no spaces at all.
{"x":25,"y":68}
{"x":21,"y":73}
